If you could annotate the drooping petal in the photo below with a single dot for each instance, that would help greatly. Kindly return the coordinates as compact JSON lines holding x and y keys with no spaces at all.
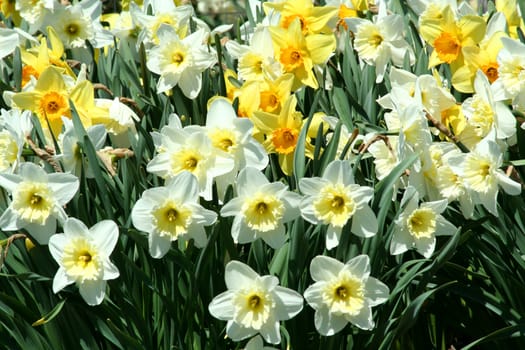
{"x":93,"y":291}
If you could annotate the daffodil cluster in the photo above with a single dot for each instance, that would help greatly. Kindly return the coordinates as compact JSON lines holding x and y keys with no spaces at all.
{"x":252,"y":140}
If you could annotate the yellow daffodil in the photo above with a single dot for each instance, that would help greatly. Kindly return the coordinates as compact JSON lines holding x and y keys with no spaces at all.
{"x":282,"y":132}
{"x":448,"y":37}
{"x":312,"y":19}
{"x":298,"y":53}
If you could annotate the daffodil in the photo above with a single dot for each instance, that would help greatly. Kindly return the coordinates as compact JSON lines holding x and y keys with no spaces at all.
{"x":83,"y":256}
{"x":180,"y":62}
{"x":282,"y":132}
{"x":80,"y":22}
{"x":343,"y":293}
{"x":34,"y":12}
{"x":485,"y":115}
{"x":15,"y":126}
{"x":190,"y":149}
{"x":511,"y":72}
{"x":172,"y":213}
{"x":256,"y":61}
{"x":10,"y":39}
{"x":418,"y":225}
{"x":254,"y":304}
{"x":37,"y":200}
{"x":71,"y":153}
{"x":448,"y":36}
{"x":260,"y":209}
{"x":335,"y":199}
{"x":482,"y":176}
{"x":119,"y":121}
{"x":256,"y":343}
{"x":233,"y":135}
{"x":483,"y":57}
{"x":49,"y":100}
{"x":381,"y":41}
{"x":313,"y":19}
{"x":298,"y":53}
{"x":164,"y":13}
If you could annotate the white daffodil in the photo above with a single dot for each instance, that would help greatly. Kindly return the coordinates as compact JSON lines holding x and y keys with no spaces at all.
{"x":172,"y":212}
{"x":180,"y":61}
{"x":14,"y":127}
{"x":484,"y":114}
{"x":256,"y":61}
{"x":83,"y":258}
{"x":189,"y":149}
{"x":343,"y":293}
{"x":34,"y":12}
{"x":334,"y":199}
{"x":71,"y":156}
{"x":254,"y":304}
{"x":37,"y":200}
{"x":511,"y":72}
{"x":163,"y":13}
{"x":380,"y":42}
{"x":233,"y":136}
{"x":120,"y":121}
{"x":482,"y":176}
{"x":419,"y":224}
{"x":79,"y":22}
{"x":10,"y":39}
{"x":261,"y":209}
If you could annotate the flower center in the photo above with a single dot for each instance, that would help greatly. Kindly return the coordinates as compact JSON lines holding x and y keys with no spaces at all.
{"x":447,"y":46}
{"x":177,"y":58}
{"x":72,"y":29}
{"x":80,"y":260}
{"x":284,"y":140}
{"x":291,"y":58}
{"x":269,"y":102}
{"x":172,"y":219}
{"x":334,"y":205}
{"x":422,"y":223}
{"x":263,"y":212}
{"x":53,"y":105}
{"x":491,"y":71}
{"x":33,"y":202}
{"x":345,"y":295}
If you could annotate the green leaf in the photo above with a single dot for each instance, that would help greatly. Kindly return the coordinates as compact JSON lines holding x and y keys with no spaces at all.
{"x":51,"y":315}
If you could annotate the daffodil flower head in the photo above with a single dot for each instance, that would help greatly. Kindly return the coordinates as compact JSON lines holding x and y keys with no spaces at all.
{"x":254,"y":304}
{"x":83,"y":258}
{"x":15,"y":125}
{"x":37,"y":200}
{"x":343,"y":293}
{"x":381,"y":41}
{"x":263,"y":212}
{"x":482,"y":176}
{"x":180,"y":62}
{"x":190,"y":149}
{"x":335,"y":199}
{"x":418,"y":225}
{"x":172,"y":213}
{"x":511,"y":72}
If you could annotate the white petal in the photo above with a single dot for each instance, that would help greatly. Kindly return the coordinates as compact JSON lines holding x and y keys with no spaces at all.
{"x":184,"y":187}
{"x":190,"y":83}
{"x":110,"y":271}
{"x":220,"y":114}
{"x":325,"y":268}
{"x":510,"y":186}
{"x":425,"y":246}
{"x":270,"y":332}
{"x":57,"y":243}
{"x":364,"y":319}
{"x":312,"y":186}
{"x":288,"y":303}
{"x":275,"y":238}
{"x":339,"y":171}
{"x":158,"y":245}
{"x":236,"y":332}
{"x":401,"y":242}
{"x":75,"y":228}
{"x":444,"y":228}
{"x":93,"y":292}
{"x":61,"y":280}
{"x":364,"y":222}
{"x":328,"y":324}
{"x":105,"y":234}
{"x":376,"y":291}
{"x":239,"y":275}
{"x":221,"y":306}
{"x":333,"y":236}
{"x":359,"y":266}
